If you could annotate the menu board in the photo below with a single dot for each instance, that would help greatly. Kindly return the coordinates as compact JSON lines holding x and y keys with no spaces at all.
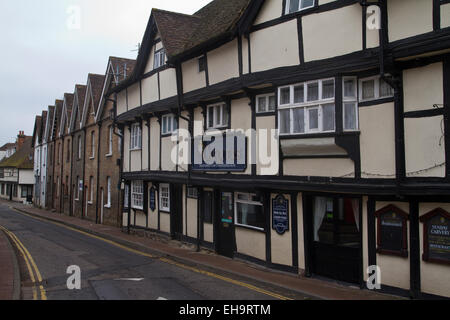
{"x":438,"y":235}
{"x":392,"y":231}
{"x":280,"y":214}
{"x":152,"y":199}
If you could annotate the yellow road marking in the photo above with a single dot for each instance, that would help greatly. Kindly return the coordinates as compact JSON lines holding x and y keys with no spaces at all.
{"x":27,"y":261}
{"x":168,"y":261}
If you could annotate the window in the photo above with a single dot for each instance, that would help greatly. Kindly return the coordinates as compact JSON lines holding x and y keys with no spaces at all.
{"x":79,"y":148}
{"x":192,"y":193}
{"x":202,"y":64}
{"x":249,"y":211}
{"x":169,"y":124}
{"x":350,"y":104}
{"x":217,"y":116}
{"x":92,"y":144}
{"x":108,"y":182}
{"x":110,"y":141}
{"x":307,"y":107}
{"x":125,"y":196}
{"x":137,"y":195}
{"x":164,"y":197}
{"x":91,"y":187}
{"x":298,"y":5}
{"x":374,"y":88}
{"x":136,"y":137}
{"x":265,"y":103}
{"x":160,"y":59}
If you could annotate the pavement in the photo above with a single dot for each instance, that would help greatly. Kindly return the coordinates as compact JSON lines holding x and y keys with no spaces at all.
{"x":206,"y":260}
{"x":9,"y":270}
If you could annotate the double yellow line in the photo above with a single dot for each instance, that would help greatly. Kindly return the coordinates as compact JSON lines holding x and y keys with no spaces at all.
{"x":38,"y":288}
{"x":165,"y":260}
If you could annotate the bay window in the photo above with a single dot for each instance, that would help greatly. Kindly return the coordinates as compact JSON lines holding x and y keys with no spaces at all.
{"x":307,"y":107}
{"x":374,"y":88}
{"x":137,"y":195}
{"x":164,"y":197}
{"x":249,"y":211}
{"x":350,"y":103}
{"x":136,"y":137}
{"x":217,"y":116}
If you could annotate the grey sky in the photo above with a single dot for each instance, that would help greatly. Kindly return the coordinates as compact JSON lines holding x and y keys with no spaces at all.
{"x":41,"y":57}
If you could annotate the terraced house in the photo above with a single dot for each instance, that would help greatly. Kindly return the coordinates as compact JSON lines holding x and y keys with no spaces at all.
{"x":358,"y":93}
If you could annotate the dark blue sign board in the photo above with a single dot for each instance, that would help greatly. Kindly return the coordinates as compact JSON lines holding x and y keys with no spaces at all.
{"x":152,"y":199}
{"x":239,"y":163}
{"x":280,"y":214}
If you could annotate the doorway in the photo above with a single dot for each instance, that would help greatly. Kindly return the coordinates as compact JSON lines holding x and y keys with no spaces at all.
{"x":225,"y":224}
{"x":176,"y":219}
{"x":335,"y":238}
{"x":102,"y":206}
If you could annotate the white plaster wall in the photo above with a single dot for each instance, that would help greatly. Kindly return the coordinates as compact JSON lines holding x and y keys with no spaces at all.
{"x":267,"y":123}
{"x":26,"y":176}
{"x":154,"y":144}
{"x":270,"y":10}
{"x":167,"y":146}
{"x":168,"y":83}
{"x":134,"y":96}
{"x":445,"y":15}
{"x":332,"y":33}
{"x":121,"y":102}
{"x":408,"y":18}
{"x":150,"y":89}
{"x":319,"y":167}
{"x":223,"y":63}
{"x":192,"y":218}
{"x":165,"y":222}
{"x":275,"y":47}
{"x":136,"y":160}
{"x":241,"y":119}
{"x":251,"y":243}
{"x":145,"y":150}
{"x":192,"y":78}
{"x":281,"y":246}
{"x":377,"y":139}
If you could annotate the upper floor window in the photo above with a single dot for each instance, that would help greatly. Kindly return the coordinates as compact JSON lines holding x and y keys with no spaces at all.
{"x":217,"y":116}
{"x":108,"y":185}
{"x":110,"y":140}
{"x":307,"y":107}
{"x":160,"y":59}
{"x":374,"y":88}
{"x":92,"y":144}
{"x":265,"y":103}
{"x":202,"y":64}
{"x":350,"y":103}
{"x":169,"y":124}
{"x":298,"y":5}
{"x":79,"y":148}
{"x":136,"y":137}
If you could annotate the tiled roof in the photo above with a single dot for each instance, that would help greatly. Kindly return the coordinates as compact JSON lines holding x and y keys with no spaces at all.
{"x":119,"y":64}
{"x":96,"y":81}
{"x":7,"y":146}
{"x":22,"y":159}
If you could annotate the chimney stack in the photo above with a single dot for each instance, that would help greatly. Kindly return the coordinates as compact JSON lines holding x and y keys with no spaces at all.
{"x":20,"y":139}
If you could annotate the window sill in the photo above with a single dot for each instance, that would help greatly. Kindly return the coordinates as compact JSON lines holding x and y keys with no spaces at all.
{"x":91,"y":158}
{"x":165,"y":211}
{"x":137,"y":149}
{"x":108,"y":206}
{"x":90,"y":203}
{"x":109,"y":155}
{"x":137,"y":208}
{"x":243,"y":226}
{"x":218,"y":128}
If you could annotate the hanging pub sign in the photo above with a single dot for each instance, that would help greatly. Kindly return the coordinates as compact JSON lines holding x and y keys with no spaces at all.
{"x":392,"y":233}
{"x":152,"y":199}
{"x":280,"y":214}
{"x":436,"y":236}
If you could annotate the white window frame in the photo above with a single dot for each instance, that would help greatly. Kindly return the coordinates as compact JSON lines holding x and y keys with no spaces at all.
{"x":307,"y":105}
{"x":221,"y":124}
{"x":192,"y":192}
{"x":350,"y":100}
{"x":237,"y":200}
{"x":136,"y":137}
{"x":165,"y":120}
{"x":164,"y":196}
{"x":267,"y":97}
{"x":300,"y":3}
{"x":159,"y":58}
{"x":108,"y":194}
{"x":137,"y":194}
{"x":377,"y":82}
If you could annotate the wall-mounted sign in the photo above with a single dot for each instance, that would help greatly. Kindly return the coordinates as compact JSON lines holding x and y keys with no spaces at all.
{"x":436,"y":236}
{"x":152,"y":199}
{"x":280,"y":214}
{"x":224,"y":153}
{"x":392,"y":231}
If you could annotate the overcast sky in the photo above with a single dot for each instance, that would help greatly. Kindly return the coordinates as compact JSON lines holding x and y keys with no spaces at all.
{"x":45,"y":51}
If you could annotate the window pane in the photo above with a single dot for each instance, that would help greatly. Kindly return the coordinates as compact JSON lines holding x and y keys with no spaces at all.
{"x":250,"y":215}
{"x":328,"y":89}
{"x":350,"y":116}
{"x":293,"y":5}
{"x":225,"y":115}
{"x":299,"y":94}
{"x":349,"y":88}
{"x":175,"y":124}
{"x":262,"y":104}
{"x":299,"y":120}
{"x":169,"y":124}
{"x":272,"y":103}
{"x":313,"y":91}
{"x":328,"y":117}
{"x":285,"y":126}
{"x":217,"y":112}
{"x":307,"y":4}
{"x":313,"y":118}
{"x":368,"y":89}
{"x":210,"y":117}
{"x":285,"y":96}
{"x":385,"y":89}
{"x":164,"y":125}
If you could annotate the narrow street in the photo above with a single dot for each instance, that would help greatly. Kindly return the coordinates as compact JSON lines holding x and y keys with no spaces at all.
{"x":111,"y":272}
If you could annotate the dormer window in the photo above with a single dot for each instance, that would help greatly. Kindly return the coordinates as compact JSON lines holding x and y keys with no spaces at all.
{"x":298,"y":5}
{"x":160,"y":58}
